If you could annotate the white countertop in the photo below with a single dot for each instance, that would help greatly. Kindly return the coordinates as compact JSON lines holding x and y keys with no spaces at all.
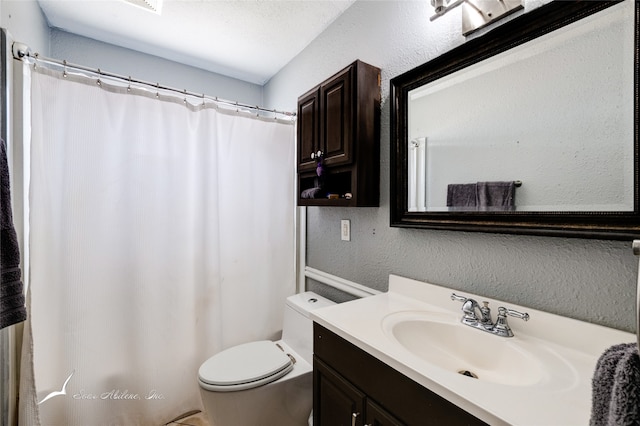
{"x":562,"y":397}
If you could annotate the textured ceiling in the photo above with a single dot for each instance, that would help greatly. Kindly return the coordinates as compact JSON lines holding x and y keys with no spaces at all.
{"x":246,"y":39}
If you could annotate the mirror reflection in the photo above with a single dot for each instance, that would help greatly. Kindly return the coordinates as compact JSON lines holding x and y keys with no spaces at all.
{"x":547,"y":126}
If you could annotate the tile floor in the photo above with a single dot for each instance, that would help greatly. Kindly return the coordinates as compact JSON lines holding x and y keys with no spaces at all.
{"x":199,"y":419}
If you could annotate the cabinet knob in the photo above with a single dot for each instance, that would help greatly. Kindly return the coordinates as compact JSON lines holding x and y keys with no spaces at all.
{"x":316,"y":154}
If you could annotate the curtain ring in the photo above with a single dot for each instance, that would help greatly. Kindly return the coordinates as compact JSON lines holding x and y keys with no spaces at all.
{"x":64,"y":71}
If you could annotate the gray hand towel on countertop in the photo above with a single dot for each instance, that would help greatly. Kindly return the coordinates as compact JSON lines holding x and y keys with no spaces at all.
{"x":616,"y":387}
{"x":12,"y":301}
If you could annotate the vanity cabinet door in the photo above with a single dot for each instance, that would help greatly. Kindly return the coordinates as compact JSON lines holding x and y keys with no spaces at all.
{"x":338,"y":402}
{"x":378,"y":416}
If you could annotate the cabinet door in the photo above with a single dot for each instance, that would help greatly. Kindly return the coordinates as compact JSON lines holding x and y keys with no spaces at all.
{"x":308,"y":130}
{"x":336,"y":110}
{"x":378,"y":416}
{"x":336,"y":401}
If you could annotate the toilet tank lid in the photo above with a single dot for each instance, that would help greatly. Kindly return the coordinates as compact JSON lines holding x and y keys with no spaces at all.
{"x":249,"y":364}
{"x":307,"y":301}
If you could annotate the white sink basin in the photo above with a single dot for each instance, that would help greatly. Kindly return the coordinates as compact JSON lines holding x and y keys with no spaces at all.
{"x":541,"y":376}
{"x":441,"y":340}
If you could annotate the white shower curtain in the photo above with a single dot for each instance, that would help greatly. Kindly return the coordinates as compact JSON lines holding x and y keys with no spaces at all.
{"x":160,"y":233}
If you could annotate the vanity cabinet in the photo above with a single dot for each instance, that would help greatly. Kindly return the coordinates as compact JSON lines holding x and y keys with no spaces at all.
{"x":353,"y":388}
{"x":343,"y":403}
{"x":339,"y":123}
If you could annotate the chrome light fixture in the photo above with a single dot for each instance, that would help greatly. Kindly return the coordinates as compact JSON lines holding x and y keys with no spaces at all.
{"x":476,"y":13}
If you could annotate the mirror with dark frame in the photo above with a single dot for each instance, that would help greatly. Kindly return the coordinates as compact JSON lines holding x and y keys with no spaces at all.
{"x":531,"y":128}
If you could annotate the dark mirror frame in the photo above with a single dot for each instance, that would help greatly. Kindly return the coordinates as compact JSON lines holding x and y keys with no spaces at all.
{"x":526,"y":27}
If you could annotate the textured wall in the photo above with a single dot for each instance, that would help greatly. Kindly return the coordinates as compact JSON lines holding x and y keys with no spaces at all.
{"x":590,"y":280}
{"x":25,"y":23}
{"x":85,"y":51}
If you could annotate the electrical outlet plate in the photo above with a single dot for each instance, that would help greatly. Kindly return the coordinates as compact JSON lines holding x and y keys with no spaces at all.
{"x":345,"y":230}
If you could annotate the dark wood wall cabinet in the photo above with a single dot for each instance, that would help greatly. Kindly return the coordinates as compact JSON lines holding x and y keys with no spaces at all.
{"x":339,"y":138}
{"x":353,"y":388}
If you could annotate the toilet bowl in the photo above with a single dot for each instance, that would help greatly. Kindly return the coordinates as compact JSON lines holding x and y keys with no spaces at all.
{"x":265,"y":382}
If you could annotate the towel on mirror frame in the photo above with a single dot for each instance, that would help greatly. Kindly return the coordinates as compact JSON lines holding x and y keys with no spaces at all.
{"x":12,"y":301}
{"x":482,"y":196}
{"x":616,"y":387}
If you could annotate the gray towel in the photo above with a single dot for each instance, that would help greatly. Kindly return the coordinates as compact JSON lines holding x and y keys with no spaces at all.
{"x":311,"y":193}
{"x":482,"y":196}
{"x":616,"y":387}
{"x":462,"y":195}
{"x":496,"y":195}
{"x":12,"y":302}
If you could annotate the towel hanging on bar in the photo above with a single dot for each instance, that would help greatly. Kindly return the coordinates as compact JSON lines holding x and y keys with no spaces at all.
{"x":482,"y":196}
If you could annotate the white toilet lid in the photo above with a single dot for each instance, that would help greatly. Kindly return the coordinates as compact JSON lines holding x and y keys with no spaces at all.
{"x":245,"y":366}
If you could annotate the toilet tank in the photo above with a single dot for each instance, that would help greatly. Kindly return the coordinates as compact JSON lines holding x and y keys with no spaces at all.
{"x":297,"y":328}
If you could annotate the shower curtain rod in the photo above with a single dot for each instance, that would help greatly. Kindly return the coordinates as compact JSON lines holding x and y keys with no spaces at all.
{"x":21,"y":51}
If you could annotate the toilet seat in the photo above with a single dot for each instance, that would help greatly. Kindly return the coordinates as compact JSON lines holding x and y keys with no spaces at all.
{"x":245,"y":366}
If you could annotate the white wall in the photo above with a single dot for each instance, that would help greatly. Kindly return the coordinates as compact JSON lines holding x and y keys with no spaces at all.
{"x":85,"y":51}
{"x":25,"y":22}
{"x":591,"y":280}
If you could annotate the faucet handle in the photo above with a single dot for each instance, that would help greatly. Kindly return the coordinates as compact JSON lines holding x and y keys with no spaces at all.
{"x":504,"y":311}
{"x":459,"y":298}
{"x":501,"y":327}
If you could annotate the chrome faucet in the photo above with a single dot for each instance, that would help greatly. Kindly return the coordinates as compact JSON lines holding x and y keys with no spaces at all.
{"x":477,"y":316}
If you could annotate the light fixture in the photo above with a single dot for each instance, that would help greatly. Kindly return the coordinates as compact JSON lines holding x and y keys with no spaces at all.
{"x":476,"y":13}
{"x":150,"y":5}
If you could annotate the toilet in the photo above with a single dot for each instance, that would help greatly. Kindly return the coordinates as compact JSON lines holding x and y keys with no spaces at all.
{"x":265,"y":382}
